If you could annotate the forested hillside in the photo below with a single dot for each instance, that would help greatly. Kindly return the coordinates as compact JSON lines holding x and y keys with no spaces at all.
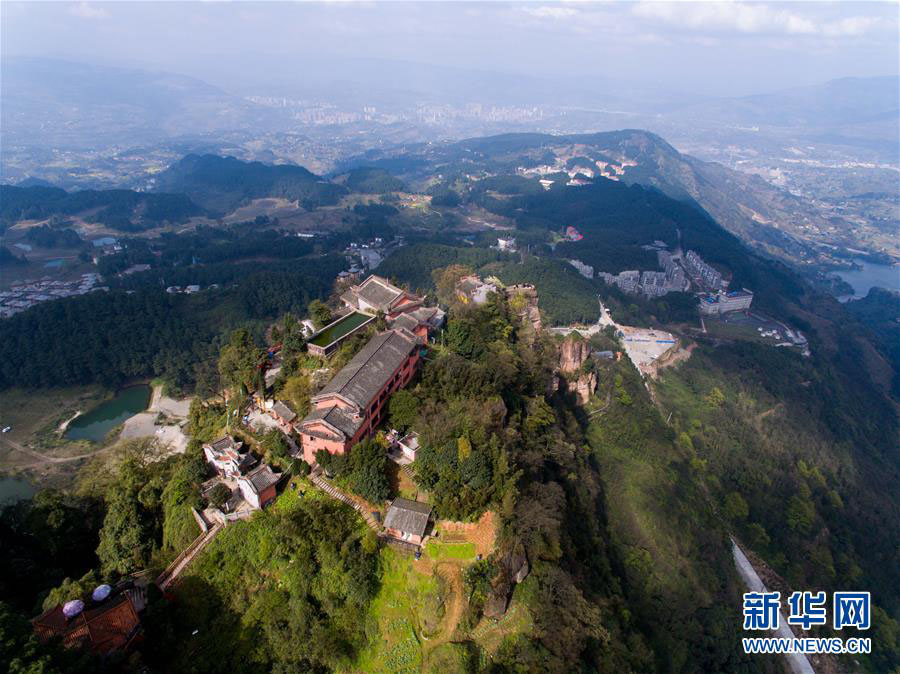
{"x":112,"y":337}
{"x":125,"y":210}
{"x":220,"y":184}
{"x":744,"y":204}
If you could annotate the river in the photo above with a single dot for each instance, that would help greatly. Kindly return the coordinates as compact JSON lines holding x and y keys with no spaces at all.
{"x":870,"y":275}
{"x":95,"y":424}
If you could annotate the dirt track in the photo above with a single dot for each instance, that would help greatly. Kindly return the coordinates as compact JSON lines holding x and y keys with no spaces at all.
{"x":453,"y":607}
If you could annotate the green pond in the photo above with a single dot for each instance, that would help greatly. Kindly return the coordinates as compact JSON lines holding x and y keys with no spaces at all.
{"x":347,"y":324}
{"x":95,"y":424}
{"x":13,"y":489}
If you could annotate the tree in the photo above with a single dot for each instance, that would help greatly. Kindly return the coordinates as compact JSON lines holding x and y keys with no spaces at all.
{"x":276,"y":447}
{"x":403,"y":409}
{"x":296,"y":390}
{"x":132,"y":527}
{"x":219,"y":495}
{"x":715,"y":397}
{"x":238,"y":359}
{"x":320,"y":313}
{"x":368,"y":470}
{"x":736,"y":507}
{"x":292,"y":342}
{"x":445,"y":280}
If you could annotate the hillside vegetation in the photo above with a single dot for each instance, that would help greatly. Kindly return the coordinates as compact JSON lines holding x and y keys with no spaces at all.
{"x":125,"y":210}
{"x":221,"y":184}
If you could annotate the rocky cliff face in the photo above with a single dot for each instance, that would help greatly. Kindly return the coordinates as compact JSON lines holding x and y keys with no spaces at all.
{"x":573,"y":353}
{"x":524,"y":298}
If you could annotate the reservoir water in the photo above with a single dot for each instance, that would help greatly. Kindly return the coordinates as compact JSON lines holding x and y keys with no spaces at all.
{"x":869,"y":276}
{"x":14,"y":489}
{"x":96,"y":423}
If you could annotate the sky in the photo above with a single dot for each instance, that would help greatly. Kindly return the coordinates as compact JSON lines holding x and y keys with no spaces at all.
{"x":719,"y":49}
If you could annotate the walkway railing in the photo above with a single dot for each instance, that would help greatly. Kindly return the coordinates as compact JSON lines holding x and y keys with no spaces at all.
{"x":336,"y":493}
{"x":170,"y":575}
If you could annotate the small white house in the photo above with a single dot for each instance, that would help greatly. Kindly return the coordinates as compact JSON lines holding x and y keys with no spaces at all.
{"x":409,"y":445}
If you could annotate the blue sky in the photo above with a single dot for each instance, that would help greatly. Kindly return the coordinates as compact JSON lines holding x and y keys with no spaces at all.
{"x":723,"y":48}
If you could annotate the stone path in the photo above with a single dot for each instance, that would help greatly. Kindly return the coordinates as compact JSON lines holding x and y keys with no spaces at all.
{"x":336,"y":493}
{"x":170,"y":575}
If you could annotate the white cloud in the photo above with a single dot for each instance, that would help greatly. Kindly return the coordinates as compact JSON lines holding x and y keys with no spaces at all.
{"x":748,"y":18}
{"x":88,"y":11}
{"x":547,"y":12}
{"x":851,"y":26}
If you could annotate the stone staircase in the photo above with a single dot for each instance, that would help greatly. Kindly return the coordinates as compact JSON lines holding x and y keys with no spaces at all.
{"x":318,"y":480}
{"x":170,"y":575}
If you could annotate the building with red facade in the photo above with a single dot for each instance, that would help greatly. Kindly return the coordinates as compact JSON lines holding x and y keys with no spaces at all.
{"x":377,"y":294}
{"x":352,"y":405}
{"x":101,"y":626}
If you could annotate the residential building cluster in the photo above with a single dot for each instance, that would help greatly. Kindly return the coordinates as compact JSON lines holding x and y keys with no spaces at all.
{"x":183,"y":290}
{"x":702,"y":271}
{"x":352,"y":404}
{"x":585,"y":270}
{"x":507,"y":245}
{"x":249,"y":480}
{"x":647,"y":283}
{"x":723,"y":302}
{"x":25,"y":294}
{"x":671,"y":279}
{"x":674,"y":273}
{"x":365,"y":257}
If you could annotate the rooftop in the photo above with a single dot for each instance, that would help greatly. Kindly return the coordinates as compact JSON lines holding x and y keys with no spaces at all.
{"x":261,"y":478}
{"x":102,"y":626}
{"x":369,"y":370}
{"x":346,"y":423}
{"x":378,"y":292}
{"x":409,"y":517}
{"x":283,"y":411}
{"x":226,"y":443}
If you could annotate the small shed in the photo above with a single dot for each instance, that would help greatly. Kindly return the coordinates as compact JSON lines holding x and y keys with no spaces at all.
{"x":409,"y":445}
{"x":407,"y":520}
{"x":283,"y":414}
{"x":258,"y":486}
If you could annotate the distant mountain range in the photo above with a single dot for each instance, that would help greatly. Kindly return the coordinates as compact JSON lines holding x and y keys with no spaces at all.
{"x":745,"y":204}
{"x":48,"y":102}
{"x":51,"y":102}
{"x":850,"y":100}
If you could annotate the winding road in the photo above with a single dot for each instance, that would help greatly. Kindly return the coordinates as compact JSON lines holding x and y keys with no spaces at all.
{"x":44,"y":458}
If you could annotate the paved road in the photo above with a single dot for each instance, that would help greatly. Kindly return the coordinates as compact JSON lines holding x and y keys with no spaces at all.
{"x":796,"y":661}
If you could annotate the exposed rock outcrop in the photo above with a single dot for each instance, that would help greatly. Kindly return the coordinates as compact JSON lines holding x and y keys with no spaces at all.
{"x":574,"y":352}
{"x":512,"y":569}
{"x":524,"y":299}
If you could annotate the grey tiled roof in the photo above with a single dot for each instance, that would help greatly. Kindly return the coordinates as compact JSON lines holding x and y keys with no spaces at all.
{"x":261,"y":478}
{"x":225,"y":443}
{"x":335,"y":416}
{"x":370,"y":369}
{"x":405,"y":321}
{"x":283,"y":411}
{"x":409,"y":517}
{"x":378,"y":293}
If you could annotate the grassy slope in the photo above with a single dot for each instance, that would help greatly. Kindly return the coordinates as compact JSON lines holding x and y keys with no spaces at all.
{"x":394,"y":619}
{"x":673,"y":554}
